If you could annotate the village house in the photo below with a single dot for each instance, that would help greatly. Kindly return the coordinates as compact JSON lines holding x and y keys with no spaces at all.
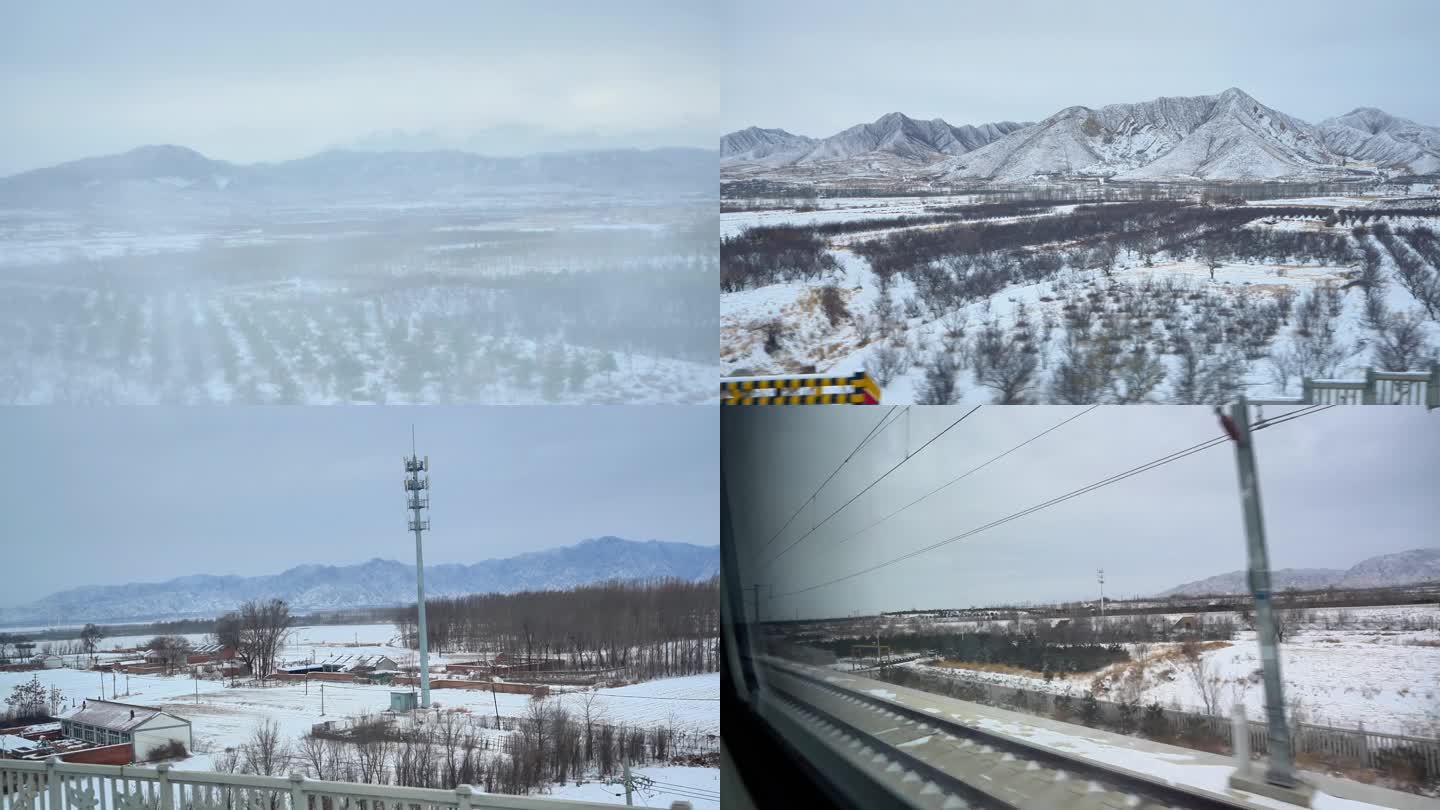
{"x":104,"y":722}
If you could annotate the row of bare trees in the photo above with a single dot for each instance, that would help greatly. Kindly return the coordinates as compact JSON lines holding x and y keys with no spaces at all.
{"x":549,"y":744}
{"x":649,"y":629}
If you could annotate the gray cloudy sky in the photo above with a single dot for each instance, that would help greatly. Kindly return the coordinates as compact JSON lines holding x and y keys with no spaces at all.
{"x":115,"y":495}
{"x":1337,"y":486}
{"x":815,"y":67}
{"x":269,"y":80}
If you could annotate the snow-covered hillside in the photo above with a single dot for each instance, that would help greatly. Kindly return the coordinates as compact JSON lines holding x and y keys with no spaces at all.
{"x":1375,"y":136}
{"x":1381,"y":571}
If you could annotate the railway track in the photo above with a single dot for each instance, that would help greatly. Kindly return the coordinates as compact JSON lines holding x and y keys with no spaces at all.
{"x":937,"y":763}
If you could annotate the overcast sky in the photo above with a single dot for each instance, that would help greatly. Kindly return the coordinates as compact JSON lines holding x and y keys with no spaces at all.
{"x":268,"y":80}
{"x":1337,"y":486}
{"x":815,"y":67}
{"x":117,"y":495}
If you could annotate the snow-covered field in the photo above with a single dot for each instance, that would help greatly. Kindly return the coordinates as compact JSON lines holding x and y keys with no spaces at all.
{"x":698,"y":786}
{"x":372,"y":304}
{"x":1372,"y":671}
{"x":810,"y":338}
{"x":224,"y":717}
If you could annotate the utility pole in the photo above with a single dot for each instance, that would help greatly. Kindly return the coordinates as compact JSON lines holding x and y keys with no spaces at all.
{"x":417,"y":499}
{"x":322,"y":700}
{"x":1100,"y":573}
{"x":628,"y":786}
{"x":1280,"y":780}
{"x":755,"y":592}
{"x":102,"y":685}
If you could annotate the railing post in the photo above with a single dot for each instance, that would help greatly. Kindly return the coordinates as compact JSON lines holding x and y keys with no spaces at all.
{"x":166,"y":800}
{"x":462,"y":796}
{"x":297,"y":791}
{"x":52,"y":780}
{"x":1307,"y":391}
{"x":1240,"y":737}
{"x":1364,"y":746}
{"x":1432,"y":388}
{"x":1369,"y":396}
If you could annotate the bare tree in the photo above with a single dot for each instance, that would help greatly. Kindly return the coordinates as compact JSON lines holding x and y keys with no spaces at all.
{"x":1202,"y":676}
{"x":256,"y":632}
{"x":1402,"y":345}
{"x":887,"y":362}
{"x":171,"y":650}
{"x":1005,"y":363}
{"x":939,"y":386}
{"x":90,"y":637}
{"x":266,"y":753}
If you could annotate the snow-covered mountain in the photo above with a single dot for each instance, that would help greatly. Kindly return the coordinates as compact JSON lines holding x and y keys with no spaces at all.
{"x":1229,"y":136}
{"x":376,"y":583}
{"x":161,"y":174}
{"x":1375,"y":136}
{"x":892,"y":136}
{"x":756,"y":144}
{"x":1384,"y":571}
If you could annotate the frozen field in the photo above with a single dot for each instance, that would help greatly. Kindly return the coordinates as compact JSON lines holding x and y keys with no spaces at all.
{"x":534,"y":300}
{"x":1374,"y":671}
{"x":224,"y":717}
{"x":916,"y":333}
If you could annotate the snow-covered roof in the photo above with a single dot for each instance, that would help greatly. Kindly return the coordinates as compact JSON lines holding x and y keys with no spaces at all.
{"x":351,"y":662}
{"x":9,"y":742}
{"x":112,"y":716}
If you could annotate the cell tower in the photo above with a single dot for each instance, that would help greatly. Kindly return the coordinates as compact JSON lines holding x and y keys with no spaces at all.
{"x":1100,"y":575}
{"x":417,"y":497}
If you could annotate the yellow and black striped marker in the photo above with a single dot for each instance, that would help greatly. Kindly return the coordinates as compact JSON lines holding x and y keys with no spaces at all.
{"x":863,"y":390}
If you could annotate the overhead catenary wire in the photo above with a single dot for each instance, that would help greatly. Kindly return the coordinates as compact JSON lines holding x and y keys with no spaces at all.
{"x":838,"y":467}
{"x":908,"y":455}
{"x":1160,"y":462}
{"x":967,"y":473}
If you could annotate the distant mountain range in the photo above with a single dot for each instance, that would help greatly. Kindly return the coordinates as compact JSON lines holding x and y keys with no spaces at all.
{"x":377,"y":583}
{"x":1386,"y":570}
{"x":168,"y":174}
{"x":1224,"y":137}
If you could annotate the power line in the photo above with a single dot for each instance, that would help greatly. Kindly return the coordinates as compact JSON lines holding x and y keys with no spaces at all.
{"x":1160,"y":462}
{"x":801,"y":507}
{"x":967,"y":473}
{"x":908,"y":456}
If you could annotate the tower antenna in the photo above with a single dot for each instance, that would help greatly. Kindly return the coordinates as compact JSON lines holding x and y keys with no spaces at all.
{"x":417,"y":500}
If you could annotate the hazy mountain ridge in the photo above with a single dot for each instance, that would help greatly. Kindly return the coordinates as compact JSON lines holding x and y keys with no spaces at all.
{"x":375,"y":583}
{"x":157,"y":174}
{"x":1385,"y":570}
{"x":1222,"y":137}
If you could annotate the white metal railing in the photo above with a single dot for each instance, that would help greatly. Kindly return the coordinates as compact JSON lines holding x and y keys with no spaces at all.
{"x":55,"y":785}
{"x":1378,"y":388}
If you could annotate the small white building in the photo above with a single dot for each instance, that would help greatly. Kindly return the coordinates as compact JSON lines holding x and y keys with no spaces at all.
{"x":49,"y":661}
{"x":105,"y":722}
